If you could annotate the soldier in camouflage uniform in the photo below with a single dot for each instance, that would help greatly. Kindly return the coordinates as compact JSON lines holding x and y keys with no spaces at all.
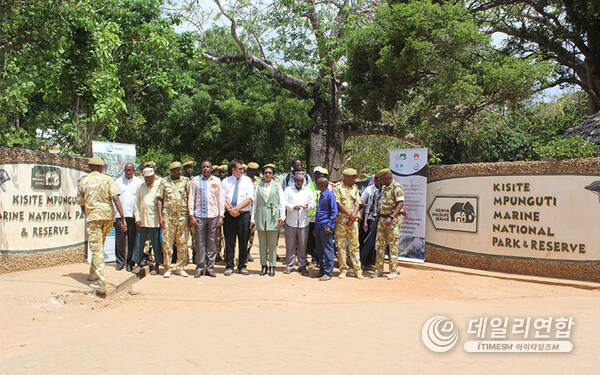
{"x":96,"y":194}
{"x":251,"y":172}
{"x":220,"y":241}
{"x":188,"y":171}
{"x":346,"y":223}
{"x":388,"y":231}
{"x":172,"y":205}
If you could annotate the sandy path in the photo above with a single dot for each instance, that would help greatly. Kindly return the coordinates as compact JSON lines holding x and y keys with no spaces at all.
{"x":285,"y":324}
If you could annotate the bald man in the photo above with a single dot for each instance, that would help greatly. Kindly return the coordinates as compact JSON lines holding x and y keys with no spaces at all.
{"x":127,"y":186}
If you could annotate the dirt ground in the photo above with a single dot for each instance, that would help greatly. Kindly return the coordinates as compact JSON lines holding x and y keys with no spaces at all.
{"x":287,"y":324}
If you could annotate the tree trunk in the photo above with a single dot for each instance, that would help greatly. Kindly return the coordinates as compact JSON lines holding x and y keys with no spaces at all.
{"x":326,"y":137}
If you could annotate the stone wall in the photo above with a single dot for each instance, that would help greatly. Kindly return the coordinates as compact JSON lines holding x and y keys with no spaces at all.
{"x":55,"y":253}
{"x":567,"y":267}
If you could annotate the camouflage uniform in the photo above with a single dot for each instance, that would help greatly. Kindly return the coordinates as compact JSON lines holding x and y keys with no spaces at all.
{"x":175,"y":213}
{"x":348,"y":197}
{"x":253,"y":230}
{"x":388,"y":236}
{"x":220,"y":242}
{"x":95,"y":192}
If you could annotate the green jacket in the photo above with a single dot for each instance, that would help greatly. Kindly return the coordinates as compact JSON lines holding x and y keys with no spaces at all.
{"x":267,"y":211}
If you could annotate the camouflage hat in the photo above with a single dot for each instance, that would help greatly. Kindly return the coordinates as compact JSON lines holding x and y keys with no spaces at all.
{"x":189,"y":162}
{"x":270,"y":165}
{"x":174,"y":165}
{"x":223,"y":167}
{"x":244,"y":166}
{"x":349,"y":172}
{"x":382,"y":172}
{"x":96,"y":161}
{"x":253,"y":165}
{"x":149,"y":164}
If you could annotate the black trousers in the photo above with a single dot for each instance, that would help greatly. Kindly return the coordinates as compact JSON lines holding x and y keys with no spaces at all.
{"x":236,"y":227}
{"x":310,"y":243}
{"x":367,"y":244}
{"x":120,"y":253}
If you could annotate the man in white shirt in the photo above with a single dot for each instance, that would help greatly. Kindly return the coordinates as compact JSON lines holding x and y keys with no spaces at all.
{"x":146,"y":221}
{"x":206,"y":205}
{"x":297,"y":200}
{"x":127,"y":185}
{"x":238,"y":190}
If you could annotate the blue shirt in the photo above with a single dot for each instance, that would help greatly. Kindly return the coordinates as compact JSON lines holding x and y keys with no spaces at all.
{"x":326,"y":211}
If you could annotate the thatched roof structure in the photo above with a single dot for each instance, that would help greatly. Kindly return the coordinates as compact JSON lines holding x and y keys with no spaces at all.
{"x":588,"y":129}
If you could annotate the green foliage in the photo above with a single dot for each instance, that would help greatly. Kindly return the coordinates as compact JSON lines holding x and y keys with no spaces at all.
{"x":563,"y":32}
{"x":565,"y":148}
{"x":427,"y":62}
{"x":229,"y":112}
{"x":369,"y":154}
{"x":511,"y":133}
{"x":80,"y":67}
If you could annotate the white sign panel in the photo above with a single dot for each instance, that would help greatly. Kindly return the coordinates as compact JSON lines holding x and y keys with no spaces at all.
{"x":409,"y":167}
{"x":551,"y":217}
{"x":115,"y":156}
{"x":38,"y":208}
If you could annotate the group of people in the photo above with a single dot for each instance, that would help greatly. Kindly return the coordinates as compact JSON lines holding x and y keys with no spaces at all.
{"x":156,"y":216}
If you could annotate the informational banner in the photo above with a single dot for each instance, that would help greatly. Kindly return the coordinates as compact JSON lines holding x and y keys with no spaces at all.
{"x":540,"y":217}
{"x":38,"y":208}
{"x":409,"y":167}
{"x":115,"y":156}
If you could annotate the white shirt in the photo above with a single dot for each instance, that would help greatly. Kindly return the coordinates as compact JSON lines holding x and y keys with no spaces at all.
{"x":245,"y":190}
{"x":128,"y":189}
{"x":293,"y":197}
{"x":367,"y":194}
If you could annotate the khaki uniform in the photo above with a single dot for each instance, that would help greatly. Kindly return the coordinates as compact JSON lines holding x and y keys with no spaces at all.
{"x":348,"y":197}
{"x":175,"y":214}
{"x":388,"y":236}
{"x":95,"y":192}
{"x":220,"y":242}
{"x":253,"y":229}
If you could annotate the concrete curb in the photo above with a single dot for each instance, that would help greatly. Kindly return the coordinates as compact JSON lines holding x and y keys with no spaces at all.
{"x":126,"y":285}
{"x":524,"y":278}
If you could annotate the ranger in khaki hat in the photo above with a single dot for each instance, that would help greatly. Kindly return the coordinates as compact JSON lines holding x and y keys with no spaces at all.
{"x":389,"y":219}
{"x":188,"y":169}
{"x":346,"y":223}
{"x":350,"y":172}
{"x":96,"y":194}
{"x":174,"y":165}
{"x":172,"y":197}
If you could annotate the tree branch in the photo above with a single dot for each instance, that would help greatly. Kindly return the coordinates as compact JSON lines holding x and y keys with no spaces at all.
{"x":298,"y":86}
{"x":355,"y":128}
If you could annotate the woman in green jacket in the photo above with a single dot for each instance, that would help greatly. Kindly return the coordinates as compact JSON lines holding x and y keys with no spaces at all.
{"x":267,"y":217}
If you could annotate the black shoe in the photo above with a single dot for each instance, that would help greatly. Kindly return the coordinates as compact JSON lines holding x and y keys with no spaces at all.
{"x":128,"y":267}
{"x":250,"y":259}
{"x":119,"y":267}
{"x":143,"y":263}
{"x":263,"y":271}
{"x":271,"y":271}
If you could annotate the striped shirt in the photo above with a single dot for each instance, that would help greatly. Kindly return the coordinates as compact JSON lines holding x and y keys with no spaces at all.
{"x":206,"y":199}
